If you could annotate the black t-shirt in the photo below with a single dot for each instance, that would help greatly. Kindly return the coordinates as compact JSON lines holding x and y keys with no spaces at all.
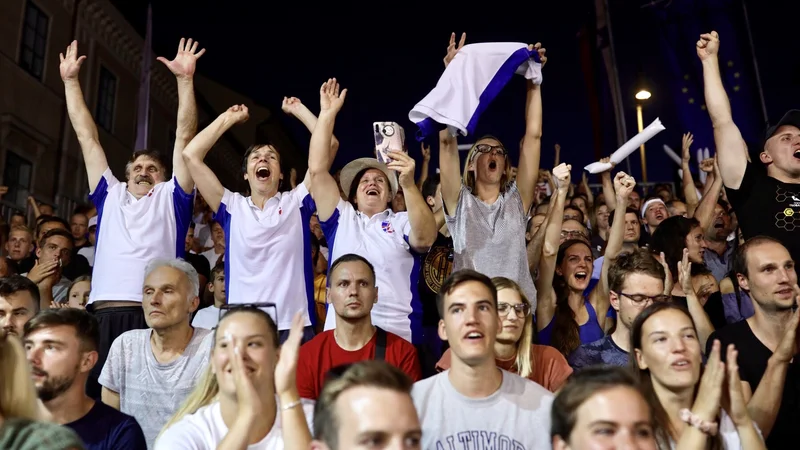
{"x":753,"y":357}
{"x":105,"y":428}
{"x":714,"y":309}
{"x":766,"y":206}
{"x":436,"y":267}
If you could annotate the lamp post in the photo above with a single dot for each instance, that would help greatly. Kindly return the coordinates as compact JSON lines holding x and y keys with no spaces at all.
{"x":641,"y":96}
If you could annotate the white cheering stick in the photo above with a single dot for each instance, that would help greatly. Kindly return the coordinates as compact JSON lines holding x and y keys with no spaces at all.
{"x":627,"y":148}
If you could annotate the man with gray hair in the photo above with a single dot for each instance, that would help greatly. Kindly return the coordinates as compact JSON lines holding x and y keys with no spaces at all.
{"x":149,"y":373}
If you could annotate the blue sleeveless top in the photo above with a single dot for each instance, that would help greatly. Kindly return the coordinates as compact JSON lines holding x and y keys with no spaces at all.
{"x":589,"y":332}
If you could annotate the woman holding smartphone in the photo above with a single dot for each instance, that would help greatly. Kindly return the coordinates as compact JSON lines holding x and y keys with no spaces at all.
{"x":487,"y":213}
{"x":365,"y":224}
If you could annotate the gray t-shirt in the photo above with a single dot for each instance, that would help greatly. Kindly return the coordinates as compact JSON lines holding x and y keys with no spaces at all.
{"x":149,"y":391}
{"x":516,"y":417}
{"x":491,"y":238}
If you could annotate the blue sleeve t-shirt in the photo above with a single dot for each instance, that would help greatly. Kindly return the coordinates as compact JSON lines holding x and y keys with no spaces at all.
{"x":105,"y":428}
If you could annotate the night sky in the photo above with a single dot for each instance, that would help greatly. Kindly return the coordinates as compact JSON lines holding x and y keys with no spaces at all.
{"x":389,"y":55}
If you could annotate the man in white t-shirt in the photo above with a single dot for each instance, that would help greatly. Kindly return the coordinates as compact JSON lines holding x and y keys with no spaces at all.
{"x":475,"y":404}
{"x":143,"y":218}
{"x":208,"y":317}
{"x":353,"y":406}
{"x":149,"y":373}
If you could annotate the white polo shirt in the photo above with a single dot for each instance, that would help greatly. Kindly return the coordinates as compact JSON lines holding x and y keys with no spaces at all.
{"x":131,"y":232}
{"x":383,"y":241}
{"x":268,"y":252}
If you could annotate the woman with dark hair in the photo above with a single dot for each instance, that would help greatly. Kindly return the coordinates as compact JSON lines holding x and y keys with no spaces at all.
{"x":683,"y":243}
{"x":602,"y":407}
{"x":267,"y":249}
{"x":668,"y":362}
{"x":565,"y":319}
{"x":366,"y":225}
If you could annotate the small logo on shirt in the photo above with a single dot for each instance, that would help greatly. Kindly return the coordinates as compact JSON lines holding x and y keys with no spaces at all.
{"x":387,"y":227}
{"x":280,"y":210}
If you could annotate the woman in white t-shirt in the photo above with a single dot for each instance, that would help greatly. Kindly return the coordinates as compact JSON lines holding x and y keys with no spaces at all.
{"x":668,"y":360}
{"x":248,"y":397}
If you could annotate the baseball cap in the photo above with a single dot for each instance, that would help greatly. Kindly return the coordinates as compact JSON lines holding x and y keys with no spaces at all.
{"x":792,"y":117}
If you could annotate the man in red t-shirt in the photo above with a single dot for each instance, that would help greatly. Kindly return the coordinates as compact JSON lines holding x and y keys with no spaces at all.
{"x":352,"y":292}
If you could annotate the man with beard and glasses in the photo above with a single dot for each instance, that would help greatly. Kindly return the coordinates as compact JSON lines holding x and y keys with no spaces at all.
{"x":770,"y":369}
{"x":142,"y":218}
{"x":61,"y":346}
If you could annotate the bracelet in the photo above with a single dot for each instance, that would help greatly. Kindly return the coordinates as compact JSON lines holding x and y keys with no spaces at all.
{"x":294,"y":404}
{"x":709,"y":428}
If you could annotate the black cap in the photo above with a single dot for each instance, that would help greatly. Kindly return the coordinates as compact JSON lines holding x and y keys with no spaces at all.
{"x":792,"y":117}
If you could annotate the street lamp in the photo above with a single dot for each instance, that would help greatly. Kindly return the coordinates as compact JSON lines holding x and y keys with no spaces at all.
{"x":641,"y":96}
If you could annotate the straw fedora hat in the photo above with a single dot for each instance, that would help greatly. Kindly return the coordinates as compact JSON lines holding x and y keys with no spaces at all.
{"x":353,"y":168}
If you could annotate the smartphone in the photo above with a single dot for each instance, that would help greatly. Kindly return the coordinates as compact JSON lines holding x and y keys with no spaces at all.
{"x":388,"y":136}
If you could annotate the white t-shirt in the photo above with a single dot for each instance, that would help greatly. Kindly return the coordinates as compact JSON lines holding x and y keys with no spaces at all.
{"x":268,"y":252}
{"x":207,"y":318}
{"x":88,"y":253}
{"x":516,"y":417}
{"x":205,"y":429}
{"x":131,"y":233}
{"x":148,"y":390}
{"x":383,"y":240}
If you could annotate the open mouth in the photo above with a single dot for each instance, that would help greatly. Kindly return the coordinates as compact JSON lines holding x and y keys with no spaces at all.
{"x":373,"y":191}
{"x":262,"y":173}
{"x":659,"y":216}
{"x":492,"y":165}
{"x":474,"y":336}
{"x":718,"y":224}
{"x":797,"y":154}
{"x":681,"y":364}
{"x":580,"y":276}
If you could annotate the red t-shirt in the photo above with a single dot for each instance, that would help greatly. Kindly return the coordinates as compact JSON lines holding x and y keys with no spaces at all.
{"x":322,"y":353}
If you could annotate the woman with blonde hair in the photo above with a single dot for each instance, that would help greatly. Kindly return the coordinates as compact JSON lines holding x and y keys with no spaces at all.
{"x":514,"y":349}
{"x":248,"y":396}
{"x":20,"y":409}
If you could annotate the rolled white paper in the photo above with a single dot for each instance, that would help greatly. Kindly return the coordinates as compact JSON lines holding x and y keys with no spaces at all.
{"x":672,"y":155}
{"x":628,"y":147}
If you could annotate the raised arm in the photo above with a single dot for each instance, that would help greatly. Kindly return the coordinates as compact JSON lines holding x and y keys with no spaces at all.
{"x":687,"y":182}
{"x":623,"y":186}
{"x":699,"y":316}
{"x":449,"y":161}
{"x":532,"y":142}
{"x":705,"y":210}
{"x":546,"y":304}
{"x":420,"y":217}
{"x":82,"y":122}
{"x":426,"y":161}
{"x":321,"y":183}
{"x":731,"y":147}
{"x":195,"y":152}
{"x":183,"y":67}
{"x":294,"y":107}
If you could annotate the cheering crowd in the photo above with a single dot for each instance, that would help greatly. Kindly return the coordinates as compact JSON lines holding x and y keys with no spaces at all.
{"x":487,"y":306}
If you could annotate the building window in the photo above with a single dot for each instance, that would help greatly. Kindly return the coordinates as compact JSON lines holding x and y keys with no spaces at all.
{"x":106,"y":99}
{"x":34,"y":40}
{"x":17,"y":177}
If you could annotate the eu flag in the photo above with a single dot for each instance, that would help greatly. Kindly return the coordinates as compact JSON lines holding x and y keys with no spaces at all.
{"x":681,"y":22}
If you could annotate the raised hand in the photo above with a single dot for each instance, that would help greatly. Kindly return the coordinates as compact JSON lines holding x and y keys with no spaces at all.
{"x":237,"y":114}
{"x":426,"y":151}
{"x":542,"y":56}
{"x":668,"y":278}
{"x":70,"y":65}
{"x":708,"y":46}
{"x":562,"y":176}
{"x":709,"y":394}
{"x":688,"y":139}
{"x":185,"y":62}
{"x":787,"y":348}
{"x":685,"y":273}
{"x":736,"y":406}
{"x":623,"y":185}
{"x":291,"y":105}
{"x":452,"y":49}
{"x":404,"y":165}
{"x":330,"y":99}
{"x":707,"y":165}
{"x":286,"y":369}
{"x":250,"y":405}
{"x":43,"y":271}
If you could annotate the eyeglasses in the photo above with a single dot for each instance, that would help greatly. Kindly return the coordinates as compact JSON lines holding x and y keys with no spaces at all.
{"x":641,"y":298}
{"x":486,"y":148}
{"x":264,"y":306}
{"x":520,"y":309}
